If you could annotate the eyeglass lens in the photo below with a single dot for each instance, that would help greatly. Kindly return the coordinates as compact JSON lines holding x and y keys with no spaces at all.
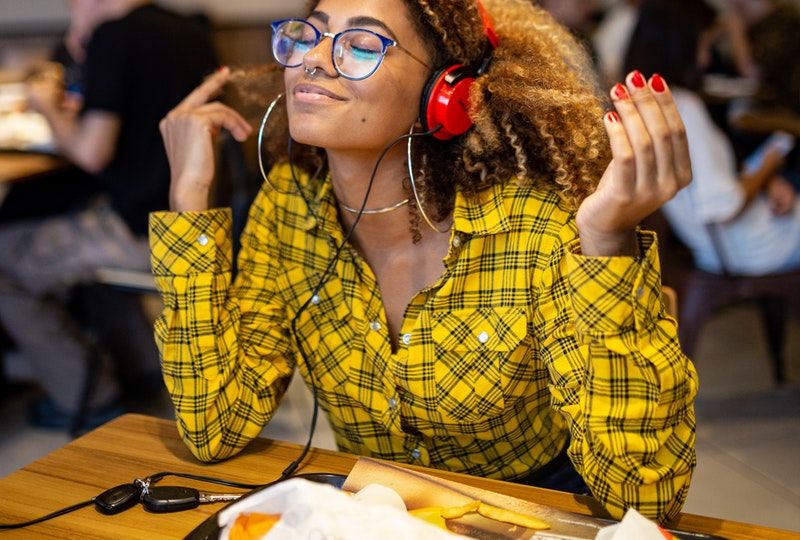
{"x":356,"y":53}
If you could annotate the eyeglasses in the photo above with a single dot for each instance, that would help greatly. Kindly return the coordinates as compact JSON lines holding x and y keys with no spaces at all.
{"x":355,"y":53}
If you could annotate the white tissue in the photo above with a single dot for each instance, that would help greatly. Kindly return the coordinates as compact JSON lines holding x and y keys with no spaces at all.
{"x":634,"y":526}
{"x":312,"y":511}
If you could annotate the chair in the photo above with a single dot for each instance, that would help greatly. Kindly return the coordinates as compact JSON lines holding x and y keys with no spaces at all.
{"x":703,"y":294}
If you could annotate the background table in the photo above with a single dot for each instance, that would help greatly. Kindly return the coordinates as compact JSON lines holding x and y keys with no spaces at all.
{"x":135,"y":446}
{"x":20,"y":166}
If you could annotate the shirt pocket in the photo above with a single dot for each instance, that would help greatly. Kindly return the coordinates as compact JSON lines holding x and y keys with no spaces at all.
{"x":472,"y":348}
{"x":324,"y":328}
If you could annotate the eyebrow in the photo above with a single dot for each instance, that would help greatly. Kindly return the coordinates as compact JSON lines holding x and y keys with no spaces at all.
{"x":354,"y":22}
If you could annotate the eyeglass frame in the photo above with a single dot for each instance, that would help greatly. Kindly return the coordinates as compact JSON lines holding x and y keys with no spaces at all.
{"x":386,"y":42}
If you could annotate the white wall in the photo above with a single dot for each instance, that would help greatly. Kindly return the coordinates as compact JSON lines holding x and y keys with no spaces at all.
{"x":31,"y":15}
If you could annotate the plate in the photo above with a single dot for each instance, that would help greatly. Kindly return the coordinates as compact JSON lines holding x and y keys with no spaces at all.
{"x":209,"y":529}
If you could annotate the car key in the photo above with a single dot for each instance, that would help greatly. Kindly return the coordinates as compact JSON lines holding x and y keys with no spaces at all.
{"x":117,"y":499}
{"x":176,"y":498}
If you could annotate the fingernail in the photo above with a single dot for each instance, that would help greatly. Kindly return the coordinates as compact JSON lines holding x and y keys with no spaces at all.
{"x":620,"y":92}
{"x":657,"y":83}
{"x":221,"y":69}
{"x":612,"y":117}
{"x":637,"y":79}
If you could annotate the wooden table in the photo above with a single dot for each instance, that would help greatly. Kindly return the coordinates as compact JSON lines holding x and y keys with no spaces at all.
{"x":20,"y":166}
{"x":135,"y":446}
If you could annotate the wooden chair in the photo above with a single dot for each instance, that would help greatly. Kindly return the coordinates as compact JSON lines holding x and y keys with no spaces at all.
{"x":704,"y":294}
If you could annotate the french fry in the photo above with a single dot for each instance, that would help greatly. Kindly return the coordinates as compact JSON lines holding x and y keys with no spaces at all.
{"x":509,"y":516}
{"x":455,"y":512}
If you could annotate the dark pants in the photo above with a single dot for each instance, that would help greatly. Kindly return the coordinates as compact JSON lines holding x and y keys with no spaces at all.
{"x":558,"y":474}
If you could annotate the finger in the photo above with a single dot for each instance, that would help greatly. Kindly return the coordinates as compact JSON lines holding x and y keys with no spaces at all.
{"x":624,"y":161}
{"x":680,"y":146}
{"x":229,"y":119}
{"x":639,"y":138}
{"x":206,"y":91}
{"x":660,"y":136}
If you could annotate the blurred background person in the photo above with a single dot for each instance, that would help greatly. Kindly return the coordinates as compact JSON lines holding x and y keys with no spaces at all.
{"x":610,"y":39}
{"x":744,"y":222}
{"x":138,"y":61}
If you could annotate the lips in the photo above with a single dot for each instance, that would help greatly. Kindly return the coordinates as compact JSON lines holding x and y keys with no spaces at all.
{"x":316,"y":90}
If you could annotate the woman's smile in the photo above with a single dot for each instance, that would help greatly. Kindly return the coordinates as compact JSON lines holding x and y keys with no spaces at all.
{"x":314,"y":93}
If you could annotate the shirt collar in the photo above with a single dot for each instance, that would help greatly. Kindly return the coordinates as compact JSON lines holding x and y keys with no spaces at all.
{"x":483,"y":213}
{"x":480,"y":214}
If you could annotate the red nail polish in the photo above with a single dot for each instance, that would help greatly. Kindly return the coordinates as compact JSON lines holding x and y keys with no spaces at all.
{"x":657,"y":83}
{"x":612,"y":117}
{"x":637,"y":79}
{"x":620,"y":92}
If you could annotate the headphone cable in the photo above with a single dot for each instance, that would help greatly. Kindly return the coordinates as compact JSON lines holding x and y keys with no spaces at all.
{"x":292,"y":467}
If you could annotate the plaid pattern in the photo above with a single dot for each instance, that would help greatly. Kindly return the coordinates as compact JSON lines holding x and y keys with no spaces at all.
{"x":520,"y":344}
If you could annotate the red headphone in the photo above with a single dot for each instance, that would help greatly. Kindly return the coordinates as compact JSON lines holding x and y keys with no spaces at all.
{"x":445,"y":98}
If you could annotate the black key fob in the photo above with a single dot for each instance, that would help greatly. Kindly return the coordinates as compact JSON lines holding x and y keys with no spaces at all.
{"x":117,"y":499}
{"x":170,"y":499}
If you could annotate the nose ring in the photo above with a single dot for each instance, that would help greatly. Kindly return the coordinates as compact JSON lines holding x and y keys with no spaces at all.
{"x":311,"y":73}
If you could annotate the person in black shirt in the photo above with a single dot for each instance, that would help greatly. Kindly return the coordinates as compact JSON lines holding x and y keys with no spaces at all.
{"x":140,"y":61}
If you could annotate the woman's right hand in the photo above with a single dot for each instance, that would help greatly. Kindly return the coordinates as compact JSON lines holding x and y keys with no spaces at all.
{"x":189,"y":132}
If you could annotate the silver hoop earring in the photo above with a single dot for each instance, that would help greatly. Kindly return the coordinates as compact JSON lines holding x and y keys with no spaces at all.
{"x":310,"y":73}
{"x":410,"y":164}
{"x":264,"y":121}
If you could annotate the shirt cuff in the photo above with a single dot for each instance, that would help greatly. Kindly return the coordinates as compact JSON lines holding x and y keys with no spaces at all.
{"x":186,"y":243}
{"x":611,"y":295}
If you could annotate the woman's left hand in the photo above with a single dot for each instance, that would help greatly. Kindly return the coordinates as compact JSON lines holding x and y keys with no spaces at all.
{"x":650,"y":164}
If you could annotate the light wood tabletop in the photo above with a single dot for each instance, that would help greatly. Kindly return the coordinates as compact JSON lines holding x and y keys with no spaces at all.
{"x":136,"y":446}
{"x":21,"y":166}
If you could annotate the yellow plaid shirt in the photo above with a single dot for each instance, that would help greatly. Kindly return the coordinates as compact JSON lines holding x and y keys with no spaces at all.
{"x":519,"y":345}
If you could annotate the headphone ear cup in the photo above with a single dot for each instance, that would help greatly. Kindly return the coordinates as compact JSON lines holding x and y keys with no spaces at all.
{"x":445,"y":101}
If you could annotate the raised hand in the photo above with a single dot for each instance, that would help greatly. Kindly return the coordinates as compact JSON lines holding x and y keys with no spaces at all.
{"x":650,"y":164}
{"x":189,"y":131}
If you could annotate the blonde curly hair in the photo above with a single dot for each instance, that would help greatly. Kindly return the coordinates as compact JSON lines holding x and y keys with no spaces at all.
{"x":537,"y":110}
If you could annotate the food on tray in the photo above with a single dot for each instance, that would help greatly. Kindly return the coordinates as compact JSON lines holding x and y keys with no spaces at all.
{"x":437,"y":515}
{"x":509,"y":516}
{"x":252,"y":525}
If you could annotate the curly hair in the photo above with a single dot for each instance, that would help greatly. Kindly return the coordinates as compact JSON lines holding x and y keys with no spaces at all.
{"x":537,"y":110}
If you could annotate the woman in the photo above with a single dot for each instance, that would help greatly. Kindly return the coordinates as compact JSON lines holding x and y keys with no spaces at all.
{"x":529,"y":320}
{"x":744,"y":223}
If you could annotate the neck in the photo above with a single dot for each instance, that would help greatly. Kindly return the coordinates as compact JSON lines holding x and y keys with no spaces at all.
{"x":350,"y":175}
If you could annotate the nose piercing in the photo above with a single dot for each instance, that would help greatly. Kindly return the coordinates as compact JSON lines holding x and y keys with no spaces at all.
{"x":311,"y":72}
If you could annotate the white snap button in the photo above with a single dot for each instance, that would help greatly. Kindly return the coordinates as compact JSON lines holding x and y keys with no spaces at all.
{"x":640,"y":291}
{"x":202,"y":240}
{"x":375,"y":325}
{"x":315,"y":299}
{"x":415,"y":453}
{"x":483,"y":337}
{"x":456,"y":241}
{"x":406,"y":339}
{"x":392,"y":403}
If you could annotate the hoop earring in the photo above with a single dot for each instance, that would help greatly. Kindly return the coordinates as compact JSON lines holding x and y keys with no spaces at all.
{"x":264,"y":121}
{"x":410,"y":164}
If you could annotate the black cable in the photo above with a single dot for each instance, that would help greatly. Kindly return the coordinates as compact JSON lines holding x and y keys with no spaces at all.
{"x":292,"y":467}
{"x":67,"y":510}
{"x":211,"y":480}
